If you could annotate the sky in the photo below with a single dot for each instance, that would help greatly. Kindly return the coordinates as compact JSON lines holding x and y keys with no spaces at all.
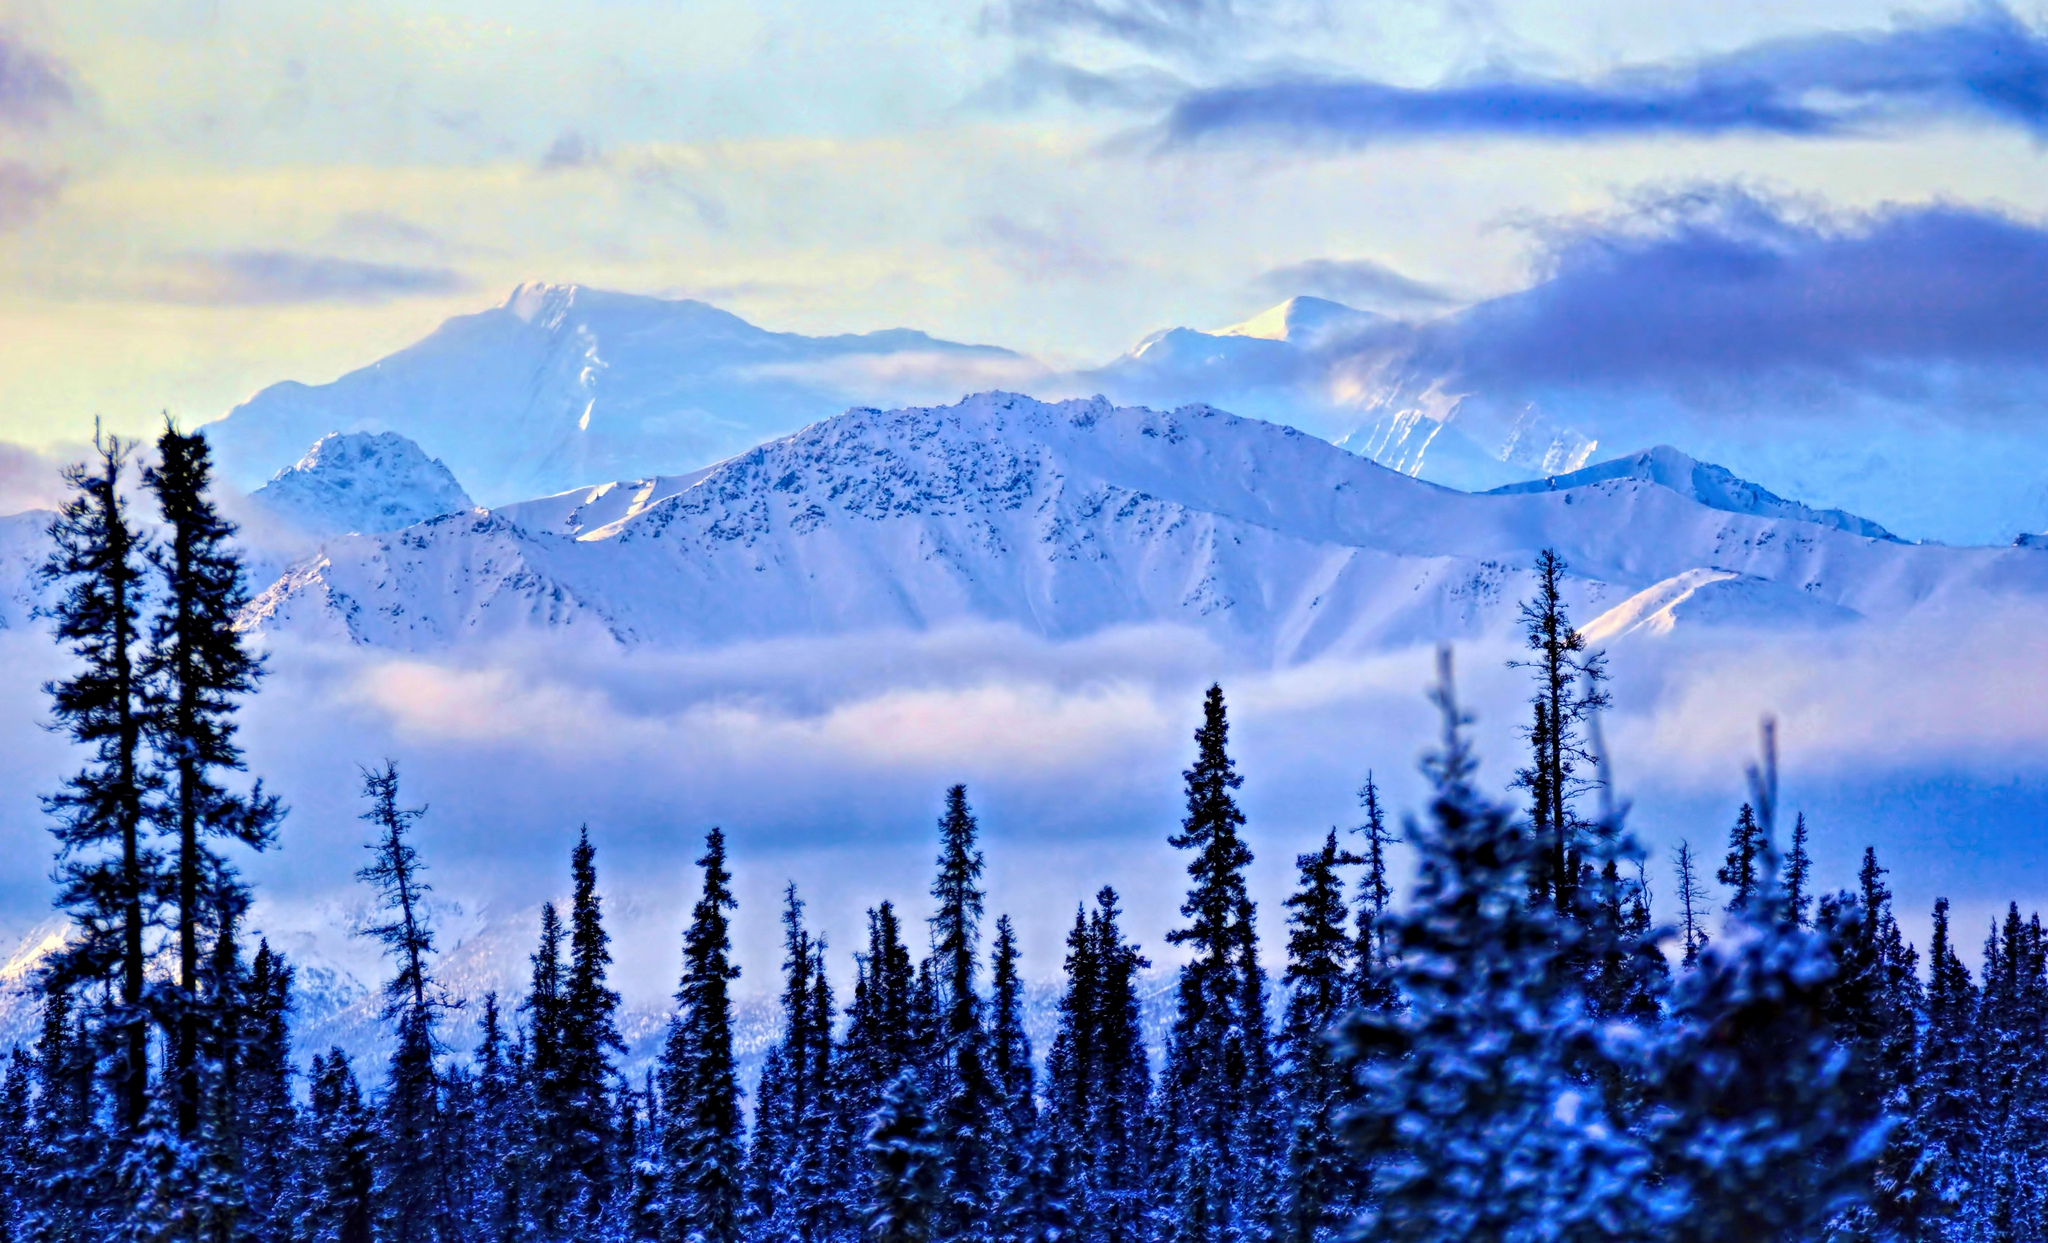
{"x":199,"y":198}
{"x":202,"y":197}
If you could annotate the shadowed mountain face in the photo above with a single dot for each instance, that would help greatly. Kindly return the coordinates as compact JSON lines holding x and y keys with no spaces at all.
{"x":563,"y":385}
{"x":1070,"y":519}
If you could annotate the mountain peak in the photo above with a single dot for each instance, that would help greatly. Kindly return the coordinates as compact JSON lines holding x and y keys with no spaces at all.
{"x":362,"y":481}
{"x":1714,"y":486}
{"x":1298,"y":320}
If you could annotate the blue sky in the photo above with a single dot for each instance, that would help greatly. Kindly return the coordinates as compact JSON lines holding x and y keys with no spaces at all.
{"x":199,"y":198}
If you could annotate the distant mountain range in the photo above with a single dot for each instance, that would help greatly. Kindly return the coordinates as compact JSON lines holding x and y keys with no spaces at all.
{"x":564,"y":386}
{"x":1065,"y":519}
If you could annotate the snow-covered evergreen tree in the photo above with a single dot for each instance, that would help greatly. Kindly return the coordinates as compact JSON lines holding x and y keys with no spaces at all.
{"x":587,"y":1029}
{"x":1324,"y":1189}
{"x":337,"y":1165}
{"x":906,"y":1167}
{"x":1099,"y":1083}
{"x":196,"y":668}
{"x":107,"y":873}
{"x":702,"y":1144}
{"x":1483,"y":1113}
{"x":1758,"y":1131}
{"x":1217,"y":1118}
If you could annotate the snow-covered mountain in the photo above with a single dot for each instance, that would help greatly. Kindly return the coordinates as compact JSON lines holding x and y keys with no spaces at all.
{"x":1710,"y":485}
{"x":362,"y":481}
{"x":1065,"y":519}
{"x":563,"y":384}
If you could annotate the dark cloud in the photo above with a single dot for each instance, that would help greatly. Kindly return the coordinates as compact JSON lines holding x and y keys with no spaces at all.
{"x":24,"y":192}
{"x":1985,"y":65}
{"x":34,"y":88}
{"x":1722,"y":280}
{"x":257,"y":277}
{"x":1359,"y":282}
{"x":570,"y":149}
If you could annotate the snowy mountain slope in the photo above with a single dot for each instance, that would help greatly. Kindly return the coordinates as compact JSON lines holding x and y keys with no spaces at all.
{"x":1065,"y":519}
{"x":1704,"y":482}
{"x":562,"y":384}
{"x":362,"y":481}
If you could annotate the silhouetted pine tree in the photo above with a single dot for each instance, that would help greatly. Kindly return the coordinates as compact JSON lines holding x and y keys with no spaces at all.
{"x":1217,"y":1124}
{"x":18,"y":1166}
{"x":338,"y":1165}
{"x":1875,"y":1006}
{"x":1948,"y":1110}
{"x":589,"y":1036}
{"x":1759,"y":1135}
{"x":196,"y":668}
{"x":1738,"y":870}
{"x":1009,"y":1045}
{"x":1482,"y":1112}
{"x":549,"y":1194}
{"x":1373,"y":989}
{"x":1568,"y":691}
{"x":266,"y":1118}
{"x":107,"y":875}
{"x":702,"y":1144}
{"x":1099,"y":1082}
{"x":968,"y":1104}
{"x":1323,"y":1190}
{"x":1799,"y":873}
{"x":495,"y":1211}
{"x":878,"y":1022}
{"x":73,"y":1196}
{"x":905,"y":1167}
{"x":787,"y":1075}
{"x":1692,"y":907}
{"x":411,"y":1177}
{"x":2007,"y":1199}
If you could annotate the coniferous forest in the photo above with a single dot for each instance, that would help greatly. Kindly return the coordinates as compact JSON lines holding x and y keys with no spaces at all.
{"x":1518,"y":1047}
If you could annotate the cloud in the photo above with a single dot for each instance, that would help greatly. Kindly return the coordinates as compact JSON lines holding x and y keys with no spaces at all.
{"x":34,"y":88}
{"x":1030,"y":250}
{"x":1359,"y":282}
{"x":25,"y":191}
{"x":570,"y":149}
{"x":1036,"y":77}
{"x":1986,"y":65}
{"x":1720,"y":280}
{"x":29,"y":478}
{"x":1155,"y":24}
{"x":269,"y":277}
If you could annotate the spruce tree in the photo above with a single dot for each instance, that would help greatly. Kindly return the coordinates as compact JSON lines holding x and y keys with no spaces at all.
{"x":1738,"y":870}
{"x":1009,"y":1044}
{"x":588,"y":1035}
{"x":71,"y":1197}
{"x":702,"y":1191}
{"x":411,"y":1178}
{"x":1322,"y":974}
{"x":1217,"y":1095}
{"x":108,"y":876}
{"x":1375,"y":894}
{"x":787,"y":1077}
{"x":1799,"y":873}
{"x":266,"y":1117}
{"x":879,"y":1025}
{"x":2008,"y":1200}
{"x":1568,"y":679}
{"x":906,"y":1167}
{"x":339,"y":1165}
{"x":545,"y":1206}
{"x":495,"y":1210}
{"x":1482,"y":1112}
{"x":969,"y":1104}
{"x":1098,"y":1082}
{"x":1948,"y":1104}
{"x":1758,"y":1134}
{"x":196,"y":668}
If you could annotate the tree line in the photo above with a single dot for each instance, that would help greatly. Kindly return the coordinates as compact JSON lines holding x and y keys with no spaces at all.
{"x":1507,"y":1052}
